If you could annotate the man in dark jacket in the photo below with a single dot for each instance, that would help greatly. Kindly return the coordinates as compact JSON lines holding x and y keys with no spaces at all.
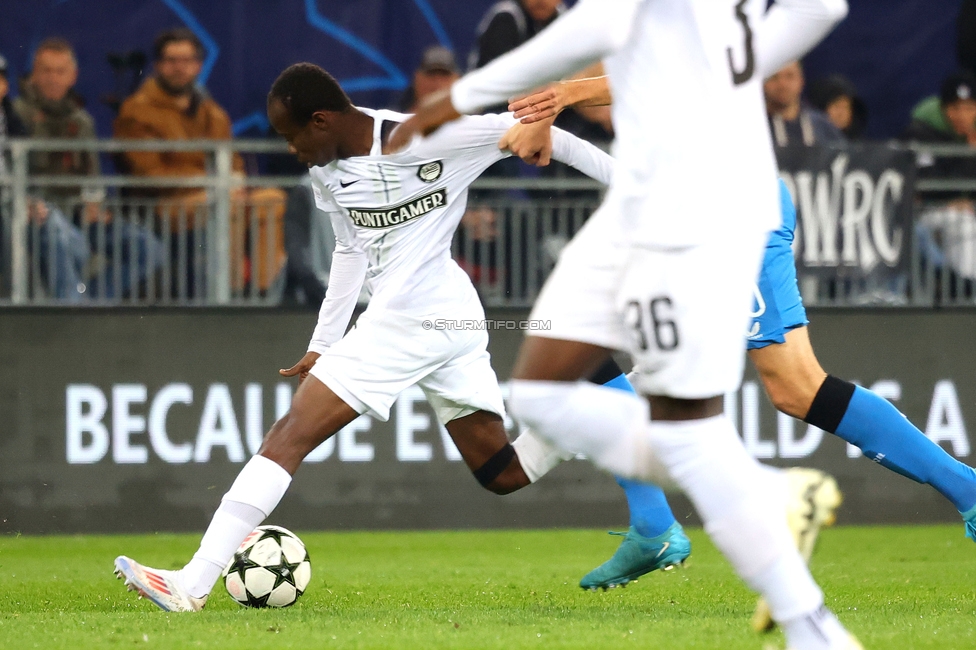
{"x":61,"y":251}
{"x":50,"y":108}
{"x":508,"y":24}
{"x":790,"y":120}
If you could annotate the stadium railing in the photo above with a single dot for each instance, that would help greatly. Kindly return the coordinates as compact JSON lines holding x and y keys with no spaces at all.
{"x":218,"y":239}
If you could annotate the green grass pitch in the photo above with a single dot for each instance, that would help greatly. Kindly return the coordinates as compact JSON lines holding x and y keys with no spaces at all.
{"x":904,"y":587}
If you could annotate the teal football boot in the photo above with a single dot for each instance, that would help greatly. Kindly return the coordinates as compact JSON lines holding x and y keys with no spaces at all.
{"x":969,"y":517}
{"x":638,"y":555}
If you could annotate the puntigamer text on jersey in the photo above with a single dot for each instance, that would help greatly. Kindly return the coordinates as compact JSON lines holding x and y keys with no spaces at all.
{"x":367,"y":218}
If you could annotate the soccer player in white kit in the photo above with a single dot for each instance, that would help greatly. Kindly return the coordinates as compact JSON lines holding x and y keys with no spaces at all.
{"x":394,"y":217}
{"x":665,"y":268}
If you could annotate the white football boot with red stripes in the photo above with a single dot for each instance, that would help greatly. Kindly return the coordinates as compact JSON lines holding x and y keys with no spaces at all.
{"x":160,"y":586}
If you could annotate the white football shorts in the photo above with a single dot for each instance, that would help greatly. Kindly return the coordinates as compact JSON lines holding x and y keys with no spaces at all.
{"x":387,"y":352}
{"x":680,"y":313}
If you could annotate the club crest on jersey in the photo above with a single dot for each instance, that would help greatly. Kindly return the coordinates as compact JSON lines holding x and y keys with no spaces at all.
{"x":399,"y":214}
{"x":431,"y":171}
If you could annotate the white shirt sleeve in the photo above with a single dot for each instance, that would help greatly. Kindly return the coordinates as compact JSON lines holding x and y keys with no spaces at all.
{"x":590,"y":31}
{"x":791,"y":28}
{"x":582,"y":155}
{"x":346,"y":277}
{"x":475,"y":138}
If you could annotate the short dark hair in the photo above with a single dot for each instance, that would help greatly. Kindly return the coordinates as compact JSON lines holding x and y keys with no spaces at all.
{"x":176,"y":35}
{"x":304,"y":88}
{"x":56,"y":44}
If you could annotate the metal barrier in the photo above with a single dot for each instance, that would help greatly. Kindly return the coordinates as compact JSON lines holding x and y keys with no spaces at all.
{"x":215,"y":239}
{"x":218,"y":239}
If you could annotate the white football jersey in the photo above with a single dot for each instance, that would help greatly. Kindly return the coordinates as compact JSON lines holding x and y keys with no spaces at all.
{"x":400,"y":212}
{"x":693,"y":151}
{"x":696,"y":160}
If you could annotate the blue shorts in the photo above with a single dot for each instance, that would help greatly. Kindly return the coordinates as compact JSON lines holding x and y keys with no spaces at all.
{"x":778,"y":307}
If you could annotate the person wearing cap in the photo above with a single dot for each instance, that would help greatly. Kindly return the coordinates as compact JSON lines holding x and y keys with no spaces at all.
{"x":949,"y":117}
{"x":438,"y":69}
{"x":947,"y":219}
{"x":791,"y":121}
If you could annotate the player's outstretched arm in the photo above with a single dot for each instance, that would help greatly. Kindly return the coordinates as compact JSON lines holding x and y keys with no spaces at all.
{"x":538,"y":142}
{"x":581,"y":155}
{"x":435,"y":111}
{"x":791,"y":28}
{"x":588,"y":32}
{"x":551,"y":101}
{"x":530,"y":141}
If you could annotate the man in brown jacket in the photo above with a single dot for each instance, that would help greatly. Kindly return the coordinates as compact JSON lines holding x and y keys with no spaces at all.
{"x":170,"y":106}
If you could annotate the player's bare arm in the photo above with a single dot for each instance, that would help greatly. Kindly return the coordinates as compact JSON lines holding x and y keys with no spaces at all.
{"x":550,"y":102}
{"x":579,"y":38}
{"x":532,"y":142}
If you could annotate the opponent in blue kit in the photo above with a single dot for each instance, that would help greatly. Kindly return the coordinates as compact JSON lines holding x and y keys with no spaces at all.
{"x":779,"y":347}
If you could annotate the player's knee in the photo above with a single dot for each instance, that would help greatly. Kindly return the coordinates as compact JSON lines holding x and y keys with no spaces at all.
{"x":779,"y":394}
{"x":790,"y":396}
{"x":507,"y":483}
{"x":502,"y":473}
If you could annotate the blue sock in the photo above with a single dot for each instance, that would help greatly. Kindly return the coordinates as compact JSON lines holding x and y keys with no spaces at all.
{"x":650,"y":514}
{"x":874,"y":425}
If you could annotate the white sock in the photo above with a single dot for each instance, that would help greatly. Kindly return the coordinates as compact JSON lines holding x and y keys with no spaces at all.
{"x":253,"y":496}
{"x":738,"y":503}
{"x":603,"y":424}
{"x":819,"y":630}
{"x":536,"y":455}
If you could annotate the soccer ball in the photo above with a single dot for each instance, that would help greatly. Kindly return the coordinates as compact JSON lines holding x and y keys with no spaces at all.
{"x":270,"y":569}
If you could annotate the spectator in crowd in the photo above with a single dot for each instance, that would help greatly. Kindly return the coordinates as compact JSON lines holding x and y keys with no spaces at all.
{"x":171,"y":106}
{"x":438,"y":69}
{"x":790,"y":120}
{"x":838,"y":99}
{"x":58,"y":250}
{"x":508,"y":24}
{"x":946,"y":225}
{"x":949,"y":117}
{"x":49,"y":108}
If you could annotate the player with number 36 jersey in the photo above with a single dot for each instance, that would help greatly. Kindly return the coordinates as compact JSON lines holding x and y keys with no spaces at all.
{"x":665,"y":268}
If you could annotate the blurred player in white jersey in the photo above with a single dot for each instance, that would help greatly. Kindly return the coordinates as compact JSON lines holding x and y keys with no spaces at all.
{"x":394,"y":217}
{"x":665,"y":268}
{"x":779,"y":347}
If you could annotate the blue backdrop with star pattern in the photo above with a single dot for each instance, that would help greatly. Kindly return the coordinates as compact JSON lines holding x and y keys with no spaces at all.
{"x":896,"y":53}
